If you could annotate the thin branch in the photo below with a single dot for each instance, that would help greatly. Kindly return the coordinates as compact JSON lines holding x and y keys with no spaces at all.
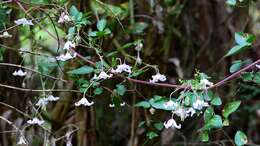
{"x":19,"y":66}
{"x":35,"y":90}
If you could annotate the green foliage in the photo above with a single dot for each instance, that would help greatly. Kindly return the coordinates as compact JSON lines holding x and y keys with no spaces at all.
{"x":82,"y":70}
{"x":243,"y":40}
{"x":98,"y":91}
{"x":120,"y":89}
{"x":144,"y":104}
{"x":214,"y":122}
{"x":251,"y":76}
{"x":152,"y":135}
{"x":240,"y":138}
{"x":208,"y":114}
{"x":216,"y":101}
{"x":204,"y":136}
{"x":230,"y":108}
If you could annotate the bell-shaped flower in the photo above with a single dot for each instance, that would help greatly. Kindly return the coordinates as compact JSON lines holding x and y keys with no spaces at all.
{"x":112,"y":105}
{"x":102,"y":75}
{"x":5,"y":35}
{"x":122,"y":104}
{"x":122,"y":68}
{"x":69,"y":45}
{"x":257,"y":66}
{"x":64,"y":18}
{"x":181,"y":112}
{"x":66,"y":57}
{"x":83,"y":101}
{"x":22,"y":141}
{"x":199,"y":104}
{"x":205,"y":83}
{"x":23,"y":21}
{"x":191,"y":111}
{"x":35,"y":121}
{"x":171,"y":123}
{"x":158,"y":77}
{"x":44,"y":101}
{"x":20,"y":73}
{"x":170,"y":104}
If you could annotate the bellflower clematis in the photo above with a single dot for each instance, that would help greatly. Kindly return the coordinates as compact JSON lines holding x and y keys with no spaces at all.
{"x":158,"y":77}
{"x":23,"y":21}
{"x":21,"y":141}
{"x":45,"y":101}
{"x":205,"y":83}
{"x":170,"y":103}
{"x":35,"y":121}
{"x":102,"y":75}
{"x":64,"y":18}
{"x":83,"y":101}
{"x":199,"y":104}
{"x":66,"y":57}
{"x":5,"y":35}
{"x":20,"y":73}
{"x":68,"y":45}
{"x":122,"y":68}
{"x":171,"y":123}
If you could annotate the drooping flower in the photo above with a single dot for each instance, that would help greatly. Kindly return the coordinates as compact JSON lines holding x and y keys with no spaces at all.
{"x":5,"y":35}
{"x":139,"y":47}
{"x":23,"y":21}
{"x":83,"y":101}
{"x":112,"y":105}
{"x":102,"y":75}
{"x":257,"y":66}
{"x":158,"y":77}
{"x":181,"y":112}
{"x":66,"y":57}
{"x":69,"y":45}
{"x":205,"y":83}
{"x":64,"y":18}
{"x":44,"y":101}
{"x":170,"y":103}
{"x":199,"y":104}
{"x":171,"y":123}
{"x":122,"y":104}
{"x":21,"y":141}
{"x":191,"y":111}
{"x":20,"y":73}
{"x":122,"y":68}
{"x":35,"y":121}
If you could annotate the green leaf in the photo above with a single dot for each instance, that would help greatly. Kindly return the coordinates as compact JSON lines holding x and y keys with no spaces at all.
{"x":216,"y":101}
{"x":144,"y":104}
{"x":214,"y":122}
{"x":138,"y":27}
{"x":241,"y":39}
{"x":231,"y":2}
{"x":236,"y":65}
{"x":230,"y":108}
{"x":235,"y":50}
{"x":98,"y":91}
{"x":82,"y":70}
{"x":141,"y":124}
{"x":120,"y":89}
{"x":240,"y":138}
{"x":159,"y":126}
{"x":208,"y":114}
{"x":158,"y":102}
{"x":152,"y":135}
{"x":204,"y":136}
{"x":74,"y":11}
{"x":101,"y":24}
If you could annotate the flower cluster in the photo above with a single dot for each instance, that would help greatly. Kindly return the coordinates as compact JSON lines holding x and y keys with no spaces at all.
{"x":158,"y":77}
{"x":20,"y":73}
{"x":83,"y":101}
{"x":68,"y":55}
{"x":23,"y":21}
{"x":122,"y":68}
{"x":35,"y":121}
{"x":44,"y":101}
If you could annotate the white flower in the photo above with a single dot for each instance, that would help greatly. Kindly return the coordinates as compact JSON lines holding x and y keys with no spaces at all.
{"x":52,"y":98}
{"x":5,"y":35}
{"x":205,"y":83}
{"x":102,"y":75}
{"x":23,"y":21}
{"x":69,"y":45}
{"x":21,"y":141}
{"x":122,"y":104}
{"x":171,"y":123}
{"x":199,"y":104}
{"x":44,"y":101}
{"x":138,"y":60}
{"x":20,"y":73}
{"x":122,"y":68}
{"x":84,"y":101}
{"x":258,"y":66}
{"x":35,"y":121}
{"x":170,"y":103}
{"x":181,"y":112}
{"x":64,"y":18}
{"x":139,"y":46}
{"x":66,"y":57}
{"x":111,"y":105}
{"x":158,"y":77}
{"x":191,"y":111}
